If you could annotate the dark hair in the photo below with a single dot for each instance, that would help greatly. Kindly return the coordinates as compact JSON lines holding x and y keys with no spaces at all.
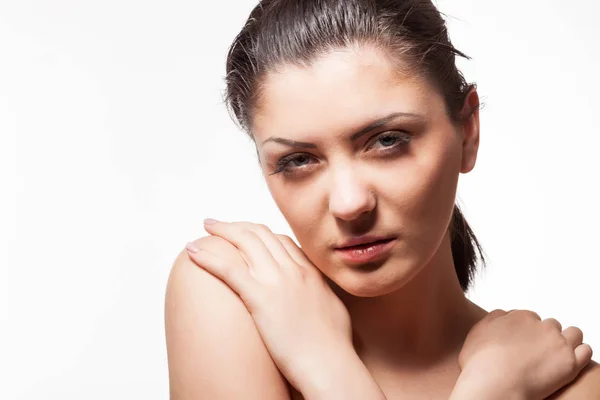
{"x":412,"y":32}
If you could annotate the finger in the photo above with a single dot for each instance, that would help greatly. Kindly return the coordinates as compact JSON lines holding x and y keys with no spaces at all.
{"x":573,"y":335}
{"x":553,"y":322}
{"x":236,"y":276}
{"x":583,"y":355}
{"x":277,"y":249}
{"x":294,"y":251}
{"x":251,"y":246}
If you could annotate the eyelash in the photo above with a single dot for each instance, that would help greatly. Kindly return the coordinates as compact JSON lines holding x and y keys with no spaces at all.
{"x":402,"y":137}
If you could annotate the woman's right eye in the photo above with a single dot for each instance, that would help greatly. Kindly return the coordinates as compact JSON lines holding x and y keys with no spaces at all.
{"x":300,"y":160}
{"x":289,"y":163}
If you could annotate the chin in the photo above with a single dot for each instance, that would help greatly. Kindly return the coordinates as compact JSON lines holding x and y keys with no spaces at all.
{"x":373,"y":281}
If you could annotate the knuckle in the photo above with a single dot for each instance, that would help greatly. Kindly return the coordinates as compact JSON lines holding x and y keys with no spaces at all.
{"x":262,"y":228}
{"x":527,"y":314}
{"x":247,"y":234}
{"x":211,"y":243}
{"x":491,"y":316}
{"x":220,"y":247}
{"x":286,"y":239}
{"x":534,"y":315}
{"x":251,"y":229}
{"x":577,"y":331}
{"x":550,"y":325}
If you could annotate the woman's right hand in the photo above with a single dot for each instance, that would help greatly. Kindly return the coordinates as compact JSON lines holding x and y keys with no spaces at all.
{"x":516,"y":355}
{"x":305,"y":327}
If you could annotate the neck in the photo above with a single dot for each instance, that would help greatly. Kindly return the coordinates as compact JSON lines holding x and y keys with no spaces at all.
{"x":420,"y":325}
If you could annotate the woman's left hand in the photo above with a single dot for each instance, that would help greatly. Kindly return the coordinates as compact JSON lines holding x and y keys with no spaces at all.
{"x":301,"y":321}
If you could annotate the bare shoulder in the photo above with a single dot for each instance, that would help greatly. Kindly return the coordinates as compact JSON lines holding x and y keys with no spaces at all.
{"x":214,"y":350}
{"x":585,"y":386}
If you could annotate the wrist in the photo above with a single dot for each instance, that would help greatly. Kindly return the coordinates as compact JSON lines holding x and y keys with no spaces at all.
{"x":477,"y":384}
{"x":340,"y":375}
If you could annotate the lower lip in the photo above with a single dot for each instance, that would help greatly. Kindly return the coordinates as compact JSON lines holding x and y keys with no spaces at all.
{"x":364,"y":254}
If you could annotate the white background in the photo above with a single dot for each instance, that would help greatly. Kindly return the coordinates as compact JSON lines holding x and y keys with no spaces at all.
{"x":115,"y":145}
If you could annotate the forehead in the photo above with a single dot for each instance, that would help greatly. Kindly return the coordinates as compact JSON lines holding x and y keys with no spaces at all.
{"x":339,"y":91}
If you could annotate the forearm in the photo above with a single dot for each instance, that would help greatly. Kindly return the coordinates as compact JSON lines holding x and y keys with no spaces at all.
{"x":475,"y":386}
{"x":343,"y":377}
{"x":346,"y":377}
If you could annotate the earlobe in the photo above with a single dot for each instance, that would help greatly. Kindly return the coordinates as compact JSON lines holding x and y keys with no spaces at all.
{"x":470,"y":127}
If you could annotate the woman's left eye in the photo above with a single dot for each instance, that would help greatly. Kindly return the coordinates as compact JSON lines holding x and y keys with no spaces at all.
{"x":391,"y":139}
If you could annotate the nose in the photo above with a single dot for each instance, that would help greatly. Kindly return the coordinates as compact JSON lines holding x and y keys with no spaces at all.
{"x":350,"y":196}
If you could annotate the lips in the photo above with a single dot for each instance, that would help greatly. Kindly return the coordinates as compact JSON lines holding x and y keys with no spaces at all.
{"x":365,"y":245}
{"x":363,"y":241}
{"x":366,"y":252}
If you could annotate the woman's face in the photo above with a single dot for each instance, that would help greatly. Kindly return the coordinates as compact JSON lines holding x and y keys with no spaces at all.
{"x":349,"y":148}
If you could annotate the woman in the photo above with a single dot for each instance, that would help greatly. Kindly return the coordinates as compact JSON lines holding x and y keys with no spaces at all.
{"x":362,"y":125}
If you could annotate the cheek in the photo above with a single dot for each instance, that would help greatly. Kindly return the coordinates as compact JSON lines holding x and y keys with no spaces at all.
{"x":305,"y":212}
{"x":300,"y":209}
{"x":427,"y":191}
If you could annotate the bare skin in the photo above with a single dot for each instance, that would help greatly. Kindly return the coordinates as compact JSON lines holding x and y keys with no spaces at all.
{"x":409,"y":315}
{"x":211,"y":342}
{"x":344,"y":189}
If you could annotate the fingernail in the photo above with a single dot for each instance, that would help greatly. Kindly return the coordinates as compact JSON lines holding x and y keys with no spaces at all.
{"x":210,"y":221}
{"x":191,"y":247}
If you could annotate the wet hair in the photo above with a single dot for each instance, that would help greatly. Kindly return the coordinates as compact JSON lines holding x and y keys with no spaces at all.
{"x":412,"y":33}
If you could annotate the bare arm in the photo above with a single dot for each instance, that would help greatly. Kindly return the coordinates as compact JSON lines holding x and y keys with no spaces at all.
{"x":214,"y":350}
{"x":585,"y":386}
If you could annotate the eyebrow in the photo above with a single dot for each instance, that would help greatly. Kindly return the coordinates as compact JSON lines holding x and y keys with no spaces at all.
{"x":373,"y":125}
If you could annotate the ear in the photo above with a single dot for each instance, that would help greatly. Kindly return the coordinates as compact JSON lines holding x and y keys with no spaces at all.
{"x":470,"y":127}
